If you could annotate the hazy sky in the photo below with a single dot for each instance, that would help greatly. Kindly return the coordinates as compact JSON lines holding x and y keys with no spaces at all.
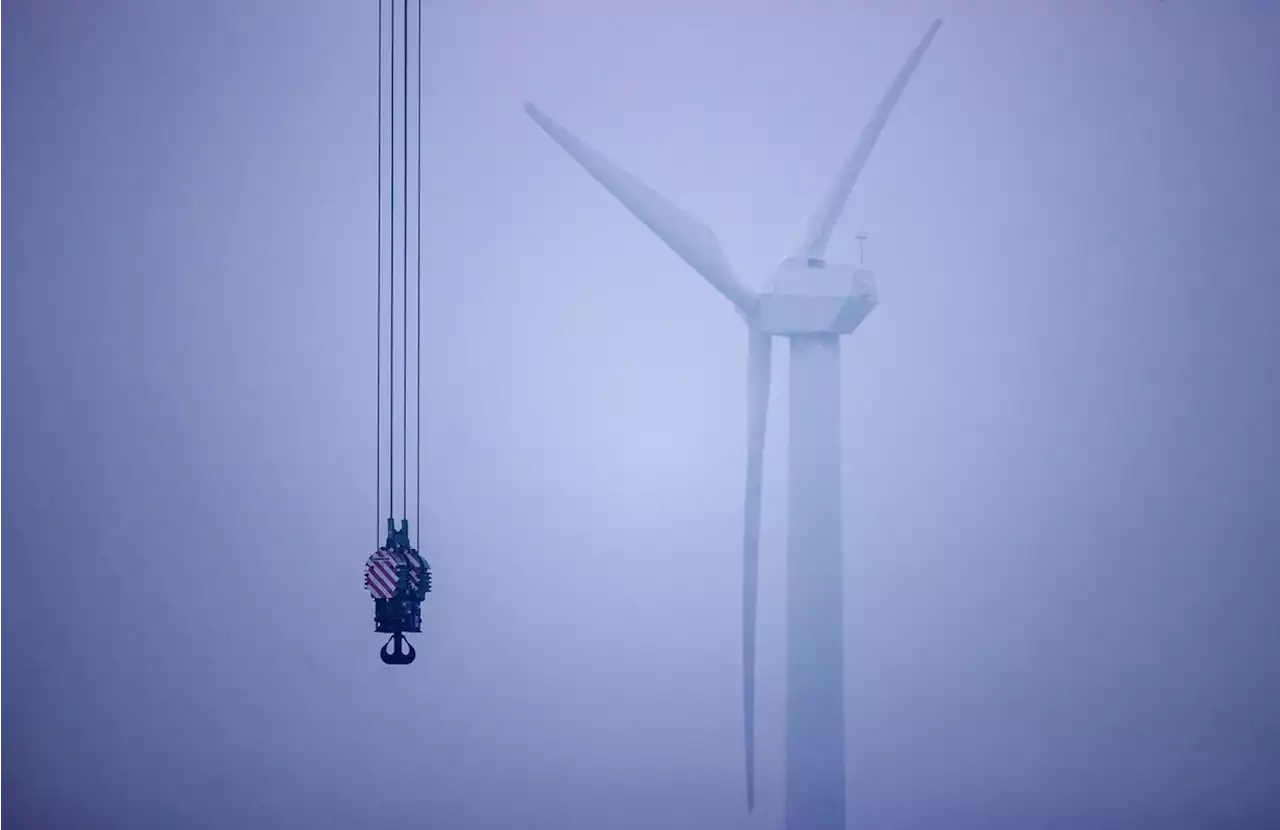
{"x":1061,"y":460}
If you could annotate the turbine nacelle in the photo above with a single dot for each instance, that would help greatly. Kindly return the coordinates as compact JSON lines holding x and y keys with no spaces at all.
{"x":807,"y":295}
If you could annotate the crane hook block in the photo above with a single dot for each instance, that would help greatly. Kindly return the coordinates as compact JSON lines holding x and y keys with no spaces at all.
{"x":398,"y":579}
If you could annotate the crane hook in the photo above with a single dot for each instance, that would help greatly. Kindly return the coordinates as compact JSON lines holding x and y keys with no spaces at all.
{"x":398,"y":657}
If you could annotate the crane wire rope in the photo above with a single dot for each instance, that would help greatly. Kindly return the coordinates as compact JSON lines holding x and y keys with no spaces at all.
{"x":377,"y":474}
{"x":404,"y":273}
{"x":417,"y":358}
{"x":391,"y":341}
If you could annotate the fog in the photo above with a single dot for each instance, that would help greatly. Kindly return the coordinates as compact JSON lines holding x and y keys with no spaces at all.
{"x":1061,"y":465}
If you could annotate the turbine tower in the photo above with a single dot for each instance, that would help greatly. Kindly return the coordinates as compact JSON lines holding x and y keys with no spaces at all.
{"x":812,"y":303}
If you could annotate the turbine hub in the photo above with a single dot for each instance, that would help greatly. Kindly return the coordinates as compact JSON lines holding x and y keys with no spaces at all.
{"x":811,"y":296}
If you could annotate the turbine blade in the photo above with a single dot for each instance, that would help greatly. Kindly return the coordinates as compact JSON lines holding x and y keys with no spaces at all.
{"x":759,"y":369}
{"x":818,"y":231}
{"x":691,"y":239}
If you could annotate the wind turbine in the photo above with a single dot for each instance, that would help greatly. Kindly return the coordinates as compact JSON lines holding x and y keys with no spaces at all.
{"x":812,"y":303}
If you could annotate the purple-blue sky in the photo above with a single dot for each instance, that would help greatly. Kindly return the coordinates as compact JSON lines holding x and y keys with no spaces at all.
{"x":1062,"y":537}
